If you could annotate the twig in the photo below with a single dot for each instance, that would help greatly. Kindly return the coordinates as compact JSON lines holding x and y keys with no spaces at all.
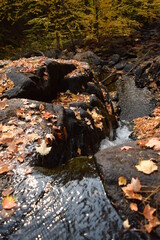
{"x":150,"y":195}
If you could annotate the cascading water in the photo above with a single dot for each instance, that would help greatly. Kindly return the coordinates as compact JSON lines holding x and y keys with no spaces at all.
{"x":122,"y":135}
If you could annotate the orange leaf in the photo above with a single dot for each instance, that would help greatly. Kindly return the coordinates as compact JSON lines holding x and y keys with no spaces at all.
{"x":148,"y":212}
{"x":4,"y":168}
{"x":47,"y":115}
{"x":20,"y":159}
{"x":9,"y":202}
{"x":133,"y":207}
{"x":152,"y":224}
{"x":79,"y":151}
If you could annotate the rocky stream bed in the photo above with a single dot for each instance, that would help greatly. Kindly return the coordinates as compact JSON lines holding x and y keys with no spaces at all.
{"x":54,"y":115}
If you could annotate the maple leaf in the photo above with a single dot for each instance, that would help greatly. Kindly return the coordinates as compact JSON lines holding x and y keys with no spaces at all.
{"x":126,"y":148}
{"x":9,"y":202}
{"x":152,"y":224}
{"x":43,"y":149}
{"x":135,"y":184}
{"x":122,"y":181}
{"x":147,"y":166}
{"x":131,"y":189}
{"x":133,"y":207}
{"x":153,"y":143}
{"x":148,"y":212}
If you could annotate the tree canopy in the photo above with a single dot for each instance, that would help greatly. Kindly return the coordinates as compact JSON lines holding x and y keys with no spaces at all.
{"x":48,"y":23}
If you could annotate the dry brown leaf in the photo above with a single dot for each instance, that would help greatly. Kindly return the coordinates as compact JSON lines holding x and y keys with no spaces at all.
{"x":131,"y":189}
{"x":9,"y":202}
{"x":152,"y":224}
{"x":122,"y":181}
{"x":147,"y":166}
{"x":153,"y":143}
{"x":148,"y":212}
{"x":131,"y":195}
{"x":20,"y":159}
{"x":126,"y":148}
{"x":4,"y":168}
{"x":133,"y":207}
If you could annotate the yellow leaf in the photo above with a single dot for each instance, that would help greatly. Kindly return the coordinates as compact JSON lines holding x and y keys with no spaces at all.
{"x":9,"y":202}
{"x":122,"y":181}
{"x":147,"y":166}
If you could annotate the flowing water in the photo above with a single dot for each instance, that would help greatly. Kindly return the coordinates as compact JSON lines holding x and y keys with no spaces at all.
{"x":69,"y":202}
{"x":122,"y":136}
{"x":66,"y":203}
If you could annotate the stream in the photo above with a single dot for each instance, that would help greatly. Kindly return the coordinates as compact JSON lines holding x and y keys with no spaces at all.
{"x":70,"y":202}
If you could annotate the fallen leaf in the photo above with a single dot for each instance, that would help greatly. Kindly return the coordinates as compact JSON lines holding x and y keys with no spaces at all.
{"x":9,"y":202}
{"x":43,"y":149}
{"x":7,"y":192}
{"x":131,"y":189}
{"x":32,"y":105}
{"x":148,"y":212}
{"x":20,"y":159}
{"x":136,"y":185}
{"x":41,"y":107}
{"x":126,"y":224}
{"x":122,"y":181}
{"x":4,"y":168}
{"x":79,"y":151}
{"x":133,"y":207}
{"x":152,"y":224}
{"x":147,"y":166}
{"x":125,"y":148}
{"x":153,"y":143}
{"x":47,"y":115}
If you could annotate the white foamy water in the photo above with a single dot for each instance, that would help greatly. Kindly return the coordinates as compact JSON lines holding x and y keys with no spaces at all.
{"x":122,"y":136}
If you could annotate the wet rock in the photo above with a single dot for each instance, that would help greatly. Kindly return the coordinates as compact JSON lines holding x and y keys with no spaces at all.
{"x":78,"y":119}
{"x":113,"y":163}
{"x":115,"y":58}
{"x":45,"y":81}
{"x":148,"y":73}
{"x":120,"y":66}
